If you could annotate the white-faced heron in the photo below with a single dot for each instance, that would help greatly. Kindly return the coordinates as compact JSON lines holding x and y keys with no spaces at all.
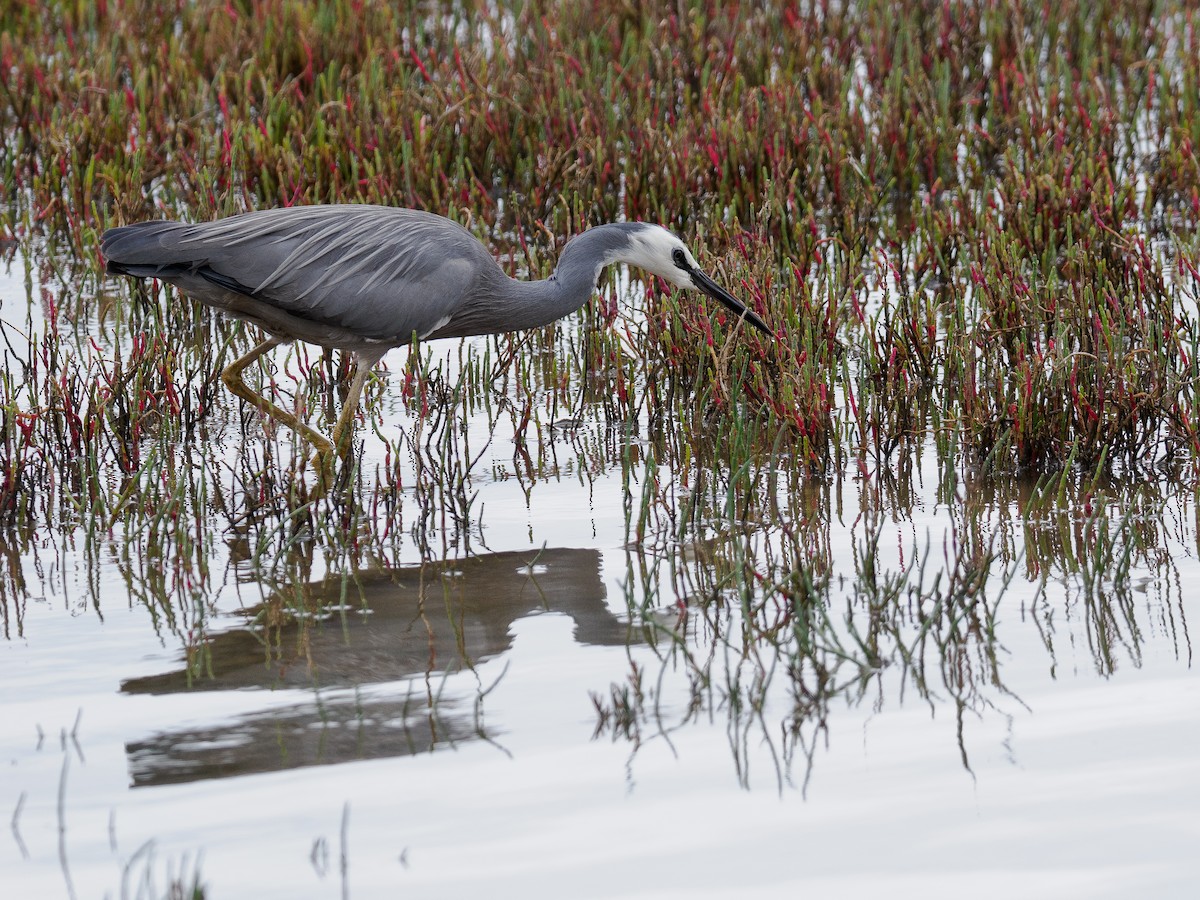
{"x":368,"y":278}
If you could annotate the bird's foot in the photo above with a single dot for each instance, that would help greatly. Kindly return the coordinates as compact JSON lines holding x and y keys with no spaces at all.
{"x":324,"y":464}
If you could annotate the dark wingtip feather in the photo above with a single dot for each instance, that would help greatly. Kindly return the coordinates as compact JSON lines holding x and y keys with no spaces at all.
{"x":139,"y":244}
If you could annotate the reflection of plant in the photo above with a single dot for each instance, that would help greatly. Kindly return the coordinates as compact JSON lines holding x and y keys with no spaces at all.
{"x":770,"y":632}
{"x":793,"y":632}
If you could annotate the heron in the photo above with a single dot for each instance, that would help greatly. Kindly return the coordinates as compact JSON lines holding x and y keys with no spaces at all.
{"x":365,"y":279}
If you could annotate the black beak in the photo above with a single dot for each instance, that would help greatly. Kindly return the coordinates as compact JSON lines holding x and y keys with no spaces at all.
{"x":730,"y":302}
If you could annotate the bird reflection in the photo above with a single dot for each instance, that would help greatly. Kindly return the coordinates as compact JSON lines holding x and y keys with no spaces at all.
{"x":406,"y":628}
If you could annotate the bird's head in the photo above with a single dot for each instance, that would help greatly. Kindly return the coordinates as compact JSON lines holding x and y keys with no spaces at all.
{"x":658,"y":251}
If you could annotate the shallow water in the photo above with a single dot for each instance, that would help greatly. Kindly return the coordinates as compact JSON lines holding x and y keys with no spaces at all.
{"x":513,"y":702}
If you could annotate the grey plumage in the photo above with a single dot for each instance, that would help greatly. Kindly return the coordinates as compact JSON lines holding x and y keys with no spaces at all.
{"x":350,"y":277}
{"x":367,"y":278}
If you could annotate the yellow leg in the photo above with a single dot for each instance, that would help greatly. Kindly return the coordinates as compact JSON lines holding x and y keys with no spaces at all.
{"x":232,"y":378}
{"x":345,"y":422}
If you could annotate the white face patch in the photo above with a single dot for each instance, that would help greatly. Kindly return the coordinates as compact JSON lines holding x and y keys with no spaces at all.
{"x":653,"y":249}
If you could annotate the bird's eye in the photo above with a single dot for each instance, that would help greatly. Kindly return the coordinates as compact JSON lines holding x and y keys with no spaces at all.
{"x":679,"y":259}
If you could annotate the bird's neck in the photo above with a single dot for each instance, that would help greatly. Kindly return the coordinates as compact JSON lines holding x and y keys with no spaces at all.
{"x":535,"y":303}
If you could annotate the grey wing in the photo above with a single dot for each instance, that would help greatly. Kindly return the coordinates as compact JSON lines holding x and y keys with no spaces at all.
{"x":378,"y":272}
